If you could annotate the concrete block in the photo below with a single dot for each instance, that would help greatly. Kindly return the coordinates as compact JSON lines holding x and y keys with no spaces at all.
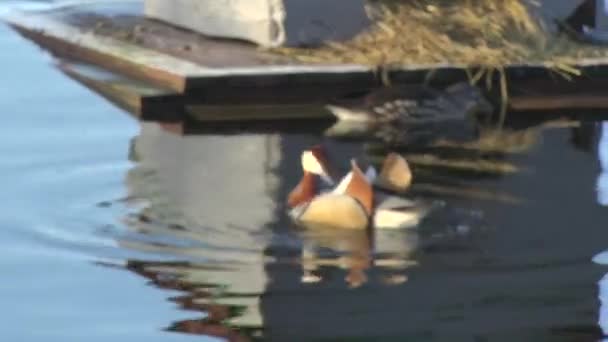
{"x":266,"y":22}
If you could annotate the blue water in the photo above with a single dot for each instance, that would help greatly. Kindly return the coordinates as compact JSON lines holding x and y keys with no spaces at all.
{"x":118,"y":230}
{"x":59,"y":142}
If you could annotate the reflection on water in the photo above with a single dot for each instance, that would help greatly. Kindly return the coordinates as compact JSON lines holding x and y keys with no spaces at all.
{"x":215,"y":203}
{"x":189,"y":237}
{"x":602,"y":199}
{"x":602,"y":180}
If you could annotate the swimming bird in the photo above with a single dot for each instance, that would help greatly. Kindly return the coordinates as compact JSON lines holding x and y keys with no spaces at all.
{"x":308,"y":204}
{"x":395,"y":174}
{"x":413,"y":104}
{"x":347,"y":206}
{"x":316,"y":161}
{"x":393,"y":212}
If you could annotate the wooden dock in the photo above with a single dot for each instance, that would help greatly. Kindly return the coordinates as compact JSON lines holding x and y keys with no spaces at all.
{"x":164,"y":73}
{"x":114,"y":36}
{"x":149,"y":103}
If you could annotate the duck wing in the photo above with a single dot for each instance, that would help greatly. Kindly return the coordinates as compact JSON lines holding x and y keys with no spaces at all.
{"x":396,"y":219}
{"x":384,"y":104}
{"x":400,"y":213}
{"x":386,"y":201}
{"x":397,"y":203}
{"x":396,"y":102}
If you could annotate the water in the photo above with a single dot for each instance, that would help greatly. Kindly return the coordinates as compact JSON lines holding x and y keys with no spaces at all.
{"x":118,"y":230}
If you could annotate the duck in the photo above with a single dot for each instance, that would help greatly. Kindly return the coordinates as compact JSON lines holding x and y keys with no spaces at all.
{"x":348,"y":206}
{"x":353,"y":203}
{"x":412,"y":104}
{"x":395,"y":173}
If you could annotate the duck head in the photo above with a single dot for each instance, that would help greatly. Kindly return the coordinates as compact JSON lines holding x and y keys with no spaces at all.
{"x":395,"y":174}
{"x":348,"y":206}
{"x":316,"y":162}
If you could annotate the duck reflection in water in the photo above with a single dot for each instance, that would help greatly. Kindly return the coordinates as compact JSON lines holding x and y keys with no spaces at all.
{"x":239,"y":267}
{"x":357,"y":252}
{"x":230,"y":265}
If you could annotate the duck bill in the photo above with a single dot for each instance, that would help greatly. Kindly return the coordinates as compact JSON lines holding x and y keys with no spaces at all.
{"x":319,"y":161}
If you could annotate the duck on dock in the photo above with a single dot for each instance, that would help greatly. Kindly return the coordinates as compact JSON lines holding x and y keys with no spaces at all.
{"x":354,"y":203}
{"x":413,"y":104}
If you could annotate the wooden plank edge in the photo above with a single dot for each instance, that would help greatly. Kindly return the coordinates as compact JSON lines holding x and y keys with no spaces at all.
{"x":170,"y":72}
{"x":69,"y":42}
{"x":164,"y":108}
{"x":122,"y":100}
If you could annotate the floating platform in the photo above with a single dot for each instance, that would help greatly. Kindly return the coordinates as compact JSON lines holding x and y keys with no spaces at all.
{"x":150,"y":103}
{"x":166,"y":73}
{"x":116,"y":37}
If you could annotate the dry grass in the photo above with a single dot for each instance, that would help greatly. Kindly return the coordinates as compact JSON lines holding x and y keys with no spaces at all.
{"x":481,"y":33}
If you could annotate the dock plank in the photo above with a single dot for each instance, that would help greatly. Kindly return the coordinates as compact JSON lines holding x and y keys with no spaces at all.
{"x":143,"y":101}
{"x":67,"y":41}
{"x":64,"y":33}
{"x":148,"y":103}
{"x":200,"y":73}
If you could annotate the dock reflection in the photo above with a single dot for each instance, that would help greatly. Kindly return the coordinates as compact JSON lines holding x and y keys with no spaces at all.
{"x":215,"y":202}
{"x":210,"y":197}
